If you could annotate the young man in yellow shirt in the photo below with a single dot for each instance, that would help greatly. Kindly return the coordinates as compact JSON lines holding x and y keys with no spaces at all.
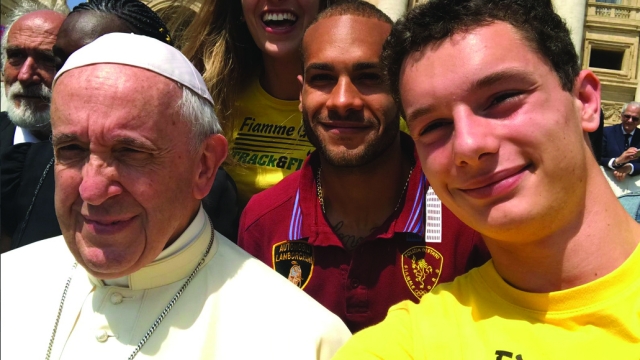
{"x":494,"y":97}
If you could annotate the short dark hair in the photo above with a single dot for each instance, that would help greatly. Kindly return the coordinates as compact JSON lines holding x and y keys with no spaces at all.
{"x":438,"y":20}
{"x":357,"y":8}
{"x":138,"y":16}
{"x":354,"y":8}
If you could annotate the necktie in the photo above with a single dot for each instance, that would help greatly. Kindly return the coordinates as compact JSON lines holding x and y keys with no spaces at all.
{"x":627,"y":138}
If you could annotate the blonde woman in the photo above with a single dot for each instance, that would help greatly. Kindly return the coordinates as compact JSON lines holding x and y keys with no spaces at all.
{"x":247,"y":51}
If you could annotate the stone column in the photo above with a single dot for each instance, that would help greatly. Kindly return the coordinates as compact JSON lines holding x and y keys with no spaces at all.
{"x":573,"y":12}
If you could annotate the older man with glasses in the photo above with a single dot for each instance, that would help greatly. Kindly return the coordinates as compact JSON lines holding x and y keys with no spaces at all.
{"x":621,"y":142}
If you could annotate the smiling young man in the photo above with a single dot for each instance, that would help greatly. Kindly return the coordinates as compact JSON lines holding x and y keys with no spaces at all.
{"x":500,"y":111}
{"x":349,"y":227}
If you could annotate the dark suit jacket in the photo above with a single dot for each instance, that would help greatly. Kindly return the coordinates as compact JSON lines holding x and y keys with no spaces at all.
{"x":7,"y":129}
{"x":613,"y":146}
{"x":27,"y":186}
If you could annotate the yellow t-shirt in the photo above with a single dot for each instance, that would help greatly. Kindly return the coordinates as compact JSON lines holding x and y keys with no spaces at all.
{"x":268,"y":142}
{"x":479,"y":316}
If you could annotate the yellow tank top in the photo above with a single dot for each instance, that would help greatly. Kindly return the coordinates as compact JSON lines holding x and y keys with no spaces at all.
{"x":268,"y":141}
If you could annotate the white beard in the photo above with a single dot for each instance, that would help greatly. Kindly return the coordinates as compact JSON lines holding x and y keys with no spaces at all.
{"x":26,"y":115}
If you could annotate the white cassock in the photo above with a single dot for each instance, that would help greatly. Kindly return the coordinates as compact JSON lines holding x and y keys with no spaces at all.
{"x":235,"y":308}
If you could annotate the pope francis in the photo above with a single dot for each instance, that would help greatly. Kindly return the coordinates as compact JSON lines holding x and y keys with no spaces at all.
{"x":139,"y":272}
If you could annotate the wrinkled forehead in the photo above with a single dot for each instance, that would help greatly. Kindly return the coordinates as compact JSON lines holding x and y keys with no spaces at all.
{"x":129,"y":89}
{"x":102,"y":100}
{"x":37,"y":25}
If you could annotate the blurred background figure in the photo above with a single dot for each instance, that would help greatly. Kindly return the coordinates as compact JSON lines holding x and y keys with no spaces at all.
{"x":620,"y":143}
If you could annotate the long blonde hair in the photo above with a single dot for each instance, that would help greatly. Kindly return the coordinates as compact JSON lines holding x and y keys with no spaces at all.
{"x":220,"y":46}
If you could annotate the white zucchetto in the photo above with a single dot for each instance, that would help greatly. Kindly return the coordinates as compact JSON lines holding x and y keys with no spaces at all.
{"x":139,"y":51}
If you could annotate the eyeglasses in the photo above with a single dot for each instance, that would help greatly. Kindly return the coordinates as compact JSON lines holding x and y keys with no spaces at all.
{"x":633,"y":118}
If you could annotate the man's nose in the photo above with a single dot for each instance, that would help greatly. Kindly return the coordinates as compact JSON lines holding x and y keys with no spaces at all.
{"x":345,"y":97}
{"x":29,"y":72}
{"x":473,"y":138}
{"x":99,"y":182}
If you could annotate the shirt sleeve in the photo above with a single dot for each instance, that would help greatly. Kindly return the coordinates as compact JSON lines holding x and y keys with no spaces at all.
{"x":390,"y":339}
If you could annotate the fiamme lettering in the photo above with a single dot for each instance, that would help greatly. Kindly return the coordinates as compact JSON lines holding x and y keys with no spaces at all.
{"x":250,"y":125}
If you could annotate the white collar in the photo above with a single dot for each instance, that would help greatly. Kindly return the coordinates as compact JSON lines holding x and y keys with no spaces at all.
{"x":174,"y":263}
{"x":23,"y":135}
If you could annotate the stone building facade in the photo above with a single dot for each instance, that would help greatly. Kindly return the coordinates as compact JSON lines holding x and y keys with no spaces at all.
{"x":611,"y":50}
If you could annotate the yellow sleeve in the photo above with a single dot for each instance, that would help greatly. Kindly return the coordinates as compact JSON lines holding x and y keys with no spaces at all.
{"x":390,"y":339}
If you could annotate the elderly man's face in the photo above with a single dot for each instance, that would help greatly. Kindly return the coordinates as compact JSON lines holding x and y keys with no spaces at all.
{"x":124,"y":170}
{"x":502,"y":144}
{"x":630,"y":118}
{"x":29,"y":67}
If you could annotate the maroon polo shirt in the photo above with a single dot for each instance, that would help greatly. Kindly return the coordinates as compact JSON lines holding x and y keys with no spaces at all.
{"x":285,"y":228}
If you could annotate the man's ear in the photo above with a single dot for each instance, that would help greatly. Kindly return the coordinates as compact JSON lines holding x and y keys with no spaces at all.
{"x":214,"y":151}
{"x":587,"y":93}
{"x":301,"y":80}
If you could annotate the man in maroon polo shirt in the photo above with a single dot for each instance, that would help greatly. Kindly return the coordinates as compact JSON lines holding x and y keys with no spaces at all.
{"x":358,"y":227}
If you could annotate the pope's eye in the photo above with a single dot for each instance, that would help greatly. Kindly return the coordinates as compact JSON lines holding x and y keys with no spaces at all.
{"x":71,"y":152}
{"x":70,"y":148}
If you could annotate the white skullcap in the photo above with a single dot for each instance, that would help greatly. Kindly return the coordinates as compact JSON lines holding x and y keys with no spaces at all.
{"x":140,"y":51}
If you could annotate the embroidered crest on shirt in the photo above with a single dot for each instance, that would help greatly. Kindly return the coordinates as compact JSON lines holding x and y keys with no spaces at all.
{"x":421,"y":268}
{"x":294,"y":261}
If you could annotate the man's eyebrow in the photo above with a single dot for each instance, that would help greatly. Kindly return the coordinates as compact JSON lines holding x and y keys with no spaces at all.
{"x":319,"y":66}
{"x":366,"y":66}
{"x":14,"y":48}
{"x":63,"y":138}
{"x":134,"y":143}
{"x":32,"y":50}
{"x":421,"y":111}
{"x":498,"y":76}
{"x":122,"y":141}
